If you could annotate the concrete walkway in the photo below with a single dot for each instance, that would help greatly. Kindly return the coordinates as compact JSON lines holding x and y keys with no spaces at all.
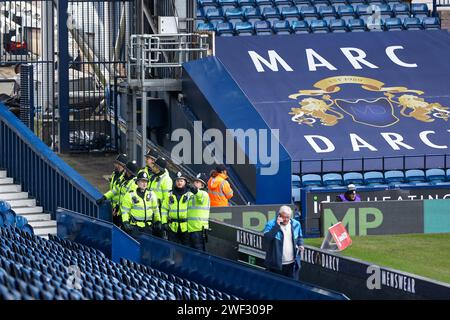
{"x":95,"y":168}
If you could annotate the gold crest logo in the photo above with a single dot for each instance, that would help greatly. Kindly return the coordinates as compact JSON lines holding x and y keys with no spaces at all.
{"x":379,"y":112}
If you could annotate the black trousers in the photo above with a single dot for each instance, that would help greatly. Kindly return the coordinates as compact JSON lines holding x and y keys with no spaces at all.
{"x":179,"y":237}
{"x":286,"y":270}
{"x":196,"y":240}
{"x":135,"y":231}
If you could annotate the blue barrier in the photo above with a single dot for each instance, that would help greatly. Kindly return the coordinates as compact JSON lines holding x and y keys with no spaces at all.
{"x":102,"y":235}
{"x":226,"y":275}
{"x":219,"y":273}
{"x":42,"y":173}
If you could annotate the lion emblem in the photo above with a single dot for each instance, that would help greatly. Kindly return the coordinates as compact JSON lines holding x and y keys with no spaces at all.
{"x":312,"y":109}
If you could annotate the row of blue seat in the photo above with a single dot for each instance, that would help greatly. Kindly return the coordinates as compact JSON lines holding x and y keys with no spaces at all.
{"x":282,"y":3}
{"x":34,"y":268}
{"x":8,"y":217}
{"x":320,"y":26}
{"x":433,"y":176}
{"x":247,"y":14}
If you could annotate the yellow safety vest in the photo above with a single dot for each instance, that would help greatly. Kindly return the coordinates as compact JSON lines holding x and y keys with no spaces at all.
{"x":140,"y":211}
{"x":198,"y":211}
{"x":161,"y":185}
{"x":114,"y":183}
{"x":174,"y":212}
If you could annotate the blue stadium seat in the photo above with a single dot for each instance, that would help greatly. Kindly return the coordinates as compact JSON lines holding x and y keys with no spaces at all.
{"x":299,"y":3}
{"x":385,"y":11}
{"x":299,"y":27}
{"x":354,"y":178}
{"x":437,"y":175}
{"x":281,"y":27}
{"x":263,"y":28}
{"x":215,"y":16}
{"x":252,"y":15}
{"x":412,"y":24}
{"x":356,"y":25}
{"x":318,"y":3}
{"x":280,"y":4}
{"x":328,"y":12}
{"x":373,"y":177}
{"x":20,"y":221}
{"x":207,"y":4}
{"x":431,"y":23}
{"x":415,"y":175}
{"x":311,"y":180}
{"x":319,"y":26}
{"x":10,"y":218}
{"x":309,"y":13}
{"x":225,"y":29}
{"x":262,"y":4}
{"x":363,"y":10}
{"x":419,"y":10}
{"x":244,"y":29}
{"x":205,"y":27}
{"x":271,"y":14}
{"x":4,"y":206}
{"x":354,"y":3}
{"x":227,"y":4}
{"x":234,"y":15}
{"x":246,"y":3}
{"x":393,"y":24}
{"x":337,"y":25}
{"x":290,"y":14}
{"x":401,"y":10}
{"x":332,"y":179}
{"x":346,"y":12}
{"x":394,"y":176}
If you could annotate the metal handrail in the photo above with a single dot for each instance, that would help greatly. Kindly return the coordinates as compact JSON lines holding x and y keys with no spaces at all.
{"x":151,"y":51}
{"x":363,"y":160}
{"x":42,"y":173}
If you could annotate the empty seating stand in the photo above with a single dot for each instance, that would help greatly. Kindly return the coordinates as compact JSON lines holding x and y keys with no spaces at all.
{"x":34,"y":268}
{"x":311,"y":16}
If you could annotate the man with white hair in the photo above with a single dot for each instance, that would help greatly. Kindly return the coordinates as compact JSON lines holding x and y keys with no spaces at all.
{"x":283,"y":241}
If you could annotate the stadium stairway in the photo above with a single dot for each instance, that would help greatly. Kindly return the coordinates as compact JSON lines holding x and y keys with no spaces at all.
{"x":27,"y":207}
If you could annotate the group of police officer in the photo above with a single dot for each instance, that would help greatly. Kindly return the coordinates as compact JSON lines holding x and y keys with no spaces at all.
{"x":147,"y":201}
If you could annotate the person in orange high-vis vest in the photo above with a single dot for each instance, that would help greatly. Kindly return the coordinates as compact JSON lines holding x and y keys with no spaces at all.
{"x":219,"y":189}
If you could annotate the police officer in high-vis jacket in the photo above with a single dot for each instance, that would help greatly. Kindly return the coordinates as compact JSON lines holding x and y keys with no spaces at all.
{"x":139,"y":208}
{"x":198,"y":213}
{"x":128,"y":184}
{"x":174,"y":211}
{"x":117,"y":177}
{"x":160,"y":182}
{"x":150,"y":159}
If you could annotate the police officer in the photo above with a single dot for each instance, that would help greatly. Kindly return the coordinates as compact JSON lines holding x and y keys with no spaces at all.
{"x":139,"y":208}
{"x":174,"y":211}
{"x":128,"y":184}
{"x":160,"y":182}
{"x":117,"y":177}
{"x":198,"y":213}
{"x":150,"y":159}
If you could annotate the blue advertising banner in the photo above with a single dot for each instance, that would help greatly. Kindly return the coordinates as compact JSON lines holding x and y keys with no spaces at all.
{"x":348,"y":95}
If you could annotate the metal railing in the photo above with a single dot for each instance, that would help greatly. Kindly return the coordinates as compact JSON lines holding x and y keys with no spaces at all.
{"x":148,"y":53}
{"x":440,"y":4}
{"x":42,"y":173}
{"x":364,"y":164}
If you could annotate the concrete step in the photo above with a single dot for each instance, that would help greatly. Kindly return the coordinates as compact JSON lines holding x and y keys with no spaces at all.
{"x":43,"y":224}
{"x":31,"y":217}
{"x":13,"y":195}
{"x":22,"y":203}
{"x":6,"y":181}
{"x":44,"y":231}
{"x":2,"y":174}
{"x":28,"y":210}
{"x":10,"y":188}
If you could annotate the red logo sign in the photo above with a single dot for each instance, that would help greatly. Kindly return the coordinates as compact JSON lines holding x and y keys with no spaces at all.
{"x":340,"y":236}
